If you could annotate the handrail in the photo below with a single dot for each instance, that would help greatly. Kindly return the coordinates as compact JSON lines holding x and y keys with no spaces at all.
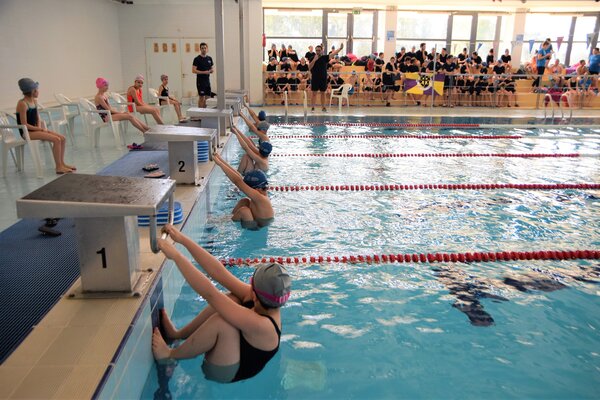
{"x":153,"y":225}
{"x":567,"y":98}
{"x":285,"y":100}
{"x":548,"y":100}
{"x":305,"y":103}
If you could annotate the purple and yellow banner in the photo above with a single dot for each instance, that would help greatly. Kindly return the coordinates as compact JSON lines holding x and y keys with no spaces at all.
{"x":415,"y":83}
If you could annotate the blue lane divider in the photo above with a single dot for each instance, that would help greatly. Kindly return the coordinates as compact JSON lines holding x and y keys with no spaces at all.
{"x":163,"y":215}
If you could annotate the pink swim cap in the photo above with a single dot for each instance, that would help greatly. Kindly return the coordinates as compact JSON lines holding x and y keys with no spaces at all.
{"x":140,"y":77}
{"x":101,"y":82}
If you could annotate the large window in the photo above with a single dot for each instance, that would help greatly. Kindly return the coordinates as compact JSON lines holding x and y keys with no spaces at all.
{"x":300,"y":28}
{"x":538,"y":27}
{"x":421,"y":26}
{"x":580,"y":50}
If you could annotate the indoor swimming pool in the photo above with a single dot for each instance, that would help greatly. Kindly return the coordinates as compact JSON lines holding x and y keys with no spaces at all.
{"x":503,"y":329}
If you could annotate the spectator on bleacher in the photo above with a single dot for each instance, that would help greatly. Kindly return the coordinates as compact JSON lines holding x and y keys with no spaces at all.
{"x":353,"y":80}
{"x":282,"y":86}
{"x":273,"y":53}
{"x":302,"y":66}
{"x":370,"y":64}
{"x":293,"y":81}
{"x":377,"y":85}
{"x":506,"y":58}
{"x":285,"y":64}
{"x":461,"y":83}
{"x":335,"y":81}
{"x":292,"y":56}
{"x":379,"y":62}
{"x":475,"y":59}
{"x":531,"y":66}
{"x":421,"y":54}
{"x":499,"y":68}
{"x":400,"y":57}
{"x":556,"y":69}
{"x":443,"y":56}
{"x":272,"y":65}
{"x":368,"y":87}
{"x":27,"y":114}
{"x":309,"y":54}
{"x":271,"y":83}
{"x":594,"y":65}
{"x":462,"y":57}
{"x":543,"y":56}
{"x":412,"y":66}
{"x":506,"y":88}
{"x":490,"y":58}
{"x":282,"y":51}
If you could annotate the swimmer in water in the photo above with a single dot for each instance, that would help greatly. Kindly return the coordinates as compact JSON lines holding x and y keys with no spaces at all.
{"x":238,"y":332}
{"x":255,"y":211}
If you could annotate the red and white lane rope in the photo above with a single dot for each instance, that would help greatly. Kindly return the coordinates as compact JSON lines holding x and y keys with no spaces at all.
{"x":392,"y":136}
{"x":432,"y":155}
{"x":437,"y":186}
{"x":378,"y":124}
{"x":477,"y":256}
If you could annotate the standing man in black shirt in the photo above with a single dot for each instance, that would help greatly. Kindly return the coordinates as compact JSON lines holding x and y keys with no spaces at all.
{"x":318,"y":69}
{"x":203,"y":66}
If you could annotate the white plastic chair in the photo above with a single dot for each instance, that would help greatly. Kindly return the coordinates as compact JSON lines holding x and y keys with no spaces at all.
{"x":57,"y":124}
{"x":170,"y":108}
{"x":341,"y":93}
{"x":13,"y":143}
{"x":123,"y":103}
{"x":70,"y":111}
{"x":94,"y":123}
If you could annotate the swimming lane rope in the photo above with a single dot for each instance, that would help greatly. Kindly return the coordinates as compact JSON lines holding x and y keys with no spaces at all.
{"x":424,"y":258}
{"x":430,"y":155}
{"x":379,"y":124}
{"x":438,"y":186}
{"x":381,"y":136}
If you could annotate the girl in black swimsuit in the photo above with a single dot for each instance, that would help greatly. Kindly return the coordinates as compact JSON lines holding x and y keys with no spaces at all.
{"x":163,"y":91}
{"x":27,"y":114}
{"x":238,"y":332}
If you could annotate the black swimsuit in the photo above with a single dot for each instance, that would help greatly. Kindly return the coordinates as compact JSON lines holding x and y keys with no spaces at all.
{"x":253,"y":360}
{"x":32,"y":117}
{"x":164,"y":93}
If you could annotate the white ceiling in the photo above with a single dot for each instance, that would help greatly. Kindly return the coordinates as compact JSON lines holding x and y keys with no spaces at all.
{"x":576,"y":6}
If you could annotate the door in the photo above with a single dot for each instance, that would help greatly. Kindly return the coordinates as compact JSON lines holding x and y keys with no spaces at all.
{"x":163,"y":57}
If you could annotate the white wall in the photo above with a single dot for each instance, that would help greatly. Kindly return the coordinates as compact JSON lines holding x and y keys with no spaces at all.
{"x":138,"y":22}
{"x":63,"y":44}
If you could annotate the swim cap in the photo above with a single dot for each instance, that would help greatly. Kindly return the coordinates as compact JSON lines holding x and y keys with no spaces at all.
{"x":264,"y":148}
{"x":263,"y":126}
{"x":27,"y":85}
{"x":163,"y":77}
{"x":262,"y":115}
{"x":256,"y":179}
{"x":140,"y":77}
{"x":101,"y":82}
{"x":272,"y":284}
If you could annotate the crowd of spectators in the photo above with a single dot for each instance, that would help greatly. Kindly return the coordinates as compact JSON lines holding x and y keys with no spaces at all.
{"x":469,"y":80}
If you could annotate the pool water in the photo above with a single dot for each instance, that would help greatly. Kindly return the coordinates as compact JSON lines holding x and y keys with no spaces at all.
{"x":518,"y":329}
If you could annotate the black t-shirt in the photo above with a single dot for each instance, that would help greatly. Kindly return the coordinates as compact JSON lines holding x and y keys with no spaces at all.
{"x":412,"y":68}
{"x":477,"y":60}
{"x":272,"y":83}
{"x":309,"y":55}
{"x":449,"y":67}
{"x":443,"y":58}
{"x":421,"y":55}
{"x":499,"y":69}
{"x":281,"y":82}
{"x":294,"y":82}
{"x":273,"y":53}
{"x":506,"y":58}
{"x":302,"y":68}
{"x":271,"y":67}
{"x":203,"y":64}
{"x":434,"y":67}
{"x":293,"y":56}
{"x":388,"y":78}
{"x":489,"y":59}
{"x":409,"y":54}
{"x":462,"y":57}
{"x":403,"y":67}
{"x":285,"y":67}
{"x":378,"y":63}
{"x":319,"y":69}
{"x":336,"y":82}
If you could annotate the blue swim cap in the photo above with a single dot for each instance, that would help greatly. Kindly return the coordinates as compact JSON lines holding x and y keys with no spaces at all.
{"x":256,"y":179}
{"x":262,"y":115}
{"x":264,"y":148}
{"x":263,"y":126}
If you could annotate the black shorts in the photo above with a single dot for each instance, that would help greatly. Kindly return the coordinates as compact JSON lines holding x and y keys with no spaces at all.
{"x":203,"y":89}
{"x":318,"y":85}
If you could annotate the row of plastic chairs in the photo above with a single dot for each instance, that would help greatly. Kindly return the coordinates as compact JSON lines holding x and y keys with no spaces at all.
{"x":14,"y":143}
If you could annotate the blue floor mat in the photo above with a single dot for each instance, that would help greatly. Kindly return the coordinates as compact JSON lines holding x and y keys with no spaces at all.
{"x":35,"y":271}
{"x":131,"y":164}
